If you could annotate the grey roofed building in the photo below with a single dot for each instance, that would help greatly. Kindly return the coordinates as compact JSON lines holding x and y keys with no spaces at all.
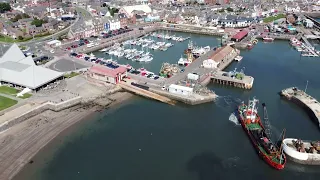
{"x":17,"y":69}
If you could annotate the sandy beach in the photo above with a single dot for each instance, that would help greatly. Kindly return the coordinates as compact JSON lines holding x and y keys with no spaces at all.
{"x":20,"y":143}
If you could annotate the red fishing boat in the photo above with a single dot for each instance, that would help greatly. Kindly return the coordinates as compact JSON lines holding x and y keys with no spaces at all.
{"x":251,"y":124}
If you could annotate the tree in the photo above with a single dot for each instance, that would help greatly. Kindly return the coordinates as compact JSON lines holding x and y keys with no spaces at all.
{"x":20,"y":38}
{"x":113,"y":10}
{"x":24,"y":15}
{"x":229,"y":9}
{"x":37,"y":22}
{"x":4,"y":7}
{"x":16,"y":18}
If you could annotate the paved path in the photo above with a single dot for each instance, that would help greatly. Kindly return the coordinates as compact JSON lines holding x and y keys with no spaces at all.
{"x":11,"y":97}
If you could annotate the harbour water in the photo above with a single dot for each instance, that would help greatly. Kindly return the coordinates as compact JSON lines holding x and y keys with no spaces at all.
{"x":144,"y":139}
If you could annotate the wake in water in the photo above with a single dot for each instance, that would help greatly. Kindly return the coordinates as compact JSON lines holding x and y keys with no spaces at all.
{"x":229,"y":104}
{"x":233,"y":118}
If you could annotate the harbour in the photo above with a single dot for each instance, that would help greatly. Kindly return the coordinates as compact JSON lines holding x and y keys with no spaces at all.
{"x":201,"y":61}
{"x":199,"y":124}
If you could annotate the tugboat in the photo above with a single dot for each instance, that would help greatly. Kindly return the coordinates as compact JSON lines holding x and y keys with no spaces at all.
{"x":251,"y":124}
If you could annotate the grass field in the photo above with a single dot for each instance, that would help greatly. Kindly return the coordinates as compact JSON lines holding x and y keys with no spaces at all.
{"x":6,"y":102}
{"x":8,"y":90}
{"x":72,"y":74}
{"x":25,"y":96}
{"x":273,"y":18}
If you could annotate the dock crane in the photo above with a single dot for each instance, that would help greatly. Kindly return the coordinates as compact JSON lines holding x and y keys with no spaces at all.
{"x":266,"y":120}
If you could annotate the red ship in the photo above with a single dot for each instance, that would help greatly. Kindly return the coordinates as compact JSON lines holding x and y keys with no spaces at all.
{"x":251,"y":124}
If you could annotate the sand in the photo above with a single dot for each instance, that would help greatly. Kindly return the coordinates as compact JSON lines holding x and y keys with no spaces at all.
{"x":21,"y":142}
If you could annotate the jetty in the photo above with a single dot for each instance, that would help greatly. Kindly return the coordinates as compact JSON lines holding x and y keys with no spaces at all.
{"x":142,"y":90}
{"x":302,"y":98}
{"x":239,"y":80}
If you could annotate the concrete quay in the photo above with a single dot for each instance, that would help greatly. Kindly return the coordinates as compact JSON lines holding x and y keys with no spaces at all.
{"x":189,"y":30}
{"x":193,"y":99}
{"x":310,"y":104}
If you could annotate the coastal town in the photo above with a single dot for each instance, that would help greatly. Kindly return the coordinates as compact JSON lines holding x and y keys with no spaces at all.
{"x":63,"y":60}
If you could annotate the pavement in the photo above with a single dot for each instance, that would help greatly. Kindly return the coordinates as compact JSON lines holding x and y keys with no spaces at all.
{"x":65,"y":65}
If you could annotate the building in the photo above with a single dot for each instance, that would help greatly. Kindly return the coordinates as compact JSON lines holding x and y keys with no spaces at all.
{"x":222,"y":54}
{"x":111,"y":75}
{"x":110,"y":24}
{"x":239,"y":36}
{"x":210,"y":64}
{"x":130,"y":11}
{"x":180,"y":90}
{"x":123,"y":20}
{"x":21,"y":71}
{"x":82,"y":29}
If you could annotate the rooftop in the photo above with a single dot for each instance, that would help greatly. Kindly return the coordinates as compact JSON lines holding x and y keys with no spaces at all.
{"x":107,"y":71}
{"x":17,"y":69}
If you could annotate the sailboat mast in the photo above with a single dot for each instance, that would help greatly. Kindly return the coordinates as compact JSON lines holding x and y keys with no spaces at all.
{"x":305,"y":90}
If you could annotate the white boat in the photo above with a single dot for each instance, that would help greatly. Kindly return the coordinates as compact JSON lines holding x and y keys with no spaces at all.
{"x":304,"y":152}
{"x":238,"y":58}
{"x":309,"y":55}
{"x":145,"y":59}
{"x":299,"y":48}
{"x":103,"y":50}
{"x":120,"y":54}
{"x":168,"y":45}
{"x":161,"y":43}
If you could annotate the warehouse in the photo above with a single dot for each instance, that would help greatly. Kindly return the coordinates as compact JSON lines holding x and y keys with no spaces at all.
{"x":239,"y":36}
{"x":21,"y":71}
{"x":180,"y":90}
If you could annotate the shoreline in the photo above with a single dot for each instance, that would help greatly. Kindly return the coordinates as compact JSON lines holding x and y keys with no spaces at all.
{"x":20,"y":143}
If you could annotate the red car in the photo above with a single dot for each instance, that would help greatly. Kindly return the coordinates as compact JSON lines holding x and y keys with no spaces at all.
{"x":68,"y":48}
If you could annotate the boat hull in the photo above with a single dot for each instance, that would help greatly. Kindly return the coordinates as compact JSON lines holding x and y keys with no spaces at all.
{"x":255,"y":145}
{"x":267,"y":40}
{"x":299,"y":157}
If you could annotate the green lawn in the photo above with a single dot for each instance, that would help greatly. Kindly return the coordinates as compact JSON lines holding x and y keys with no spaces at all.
{"x":8,"y":39}
{"x":72,"y":74}
{"x":273,"y":18}
{"x":4,"y":38}
{"x":25,"y":96}
{"x":8,"y":90}
{"x":6,"y":102}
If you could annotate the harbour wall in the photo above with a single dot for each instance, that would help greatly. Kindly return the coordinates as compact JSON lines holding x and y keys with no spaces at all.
{"x":43,"y":107}
{"x":191,"y":100}
{"x":300,"y":103}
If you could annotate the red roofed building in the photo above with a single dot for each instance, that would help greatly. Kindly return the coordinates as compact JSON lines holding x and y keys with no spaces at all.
{"x":106,"y":74}
{"x":239,"y":36}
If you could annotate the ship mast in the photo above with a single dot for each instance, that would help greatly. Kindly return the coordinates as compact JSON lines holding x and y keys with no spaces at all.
{"x":266,"y":120}
{"x":281,"y":146}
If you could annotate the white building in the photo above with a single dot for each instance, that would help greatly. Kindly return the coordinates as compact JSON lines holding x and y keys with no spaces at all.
{"x":114,"y":24}
{"x":128,"y":10}
{"x":180,"y":90}
{"x":192,"y":76}
{"x":22,"y":71}
{"x":210,"y":64}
